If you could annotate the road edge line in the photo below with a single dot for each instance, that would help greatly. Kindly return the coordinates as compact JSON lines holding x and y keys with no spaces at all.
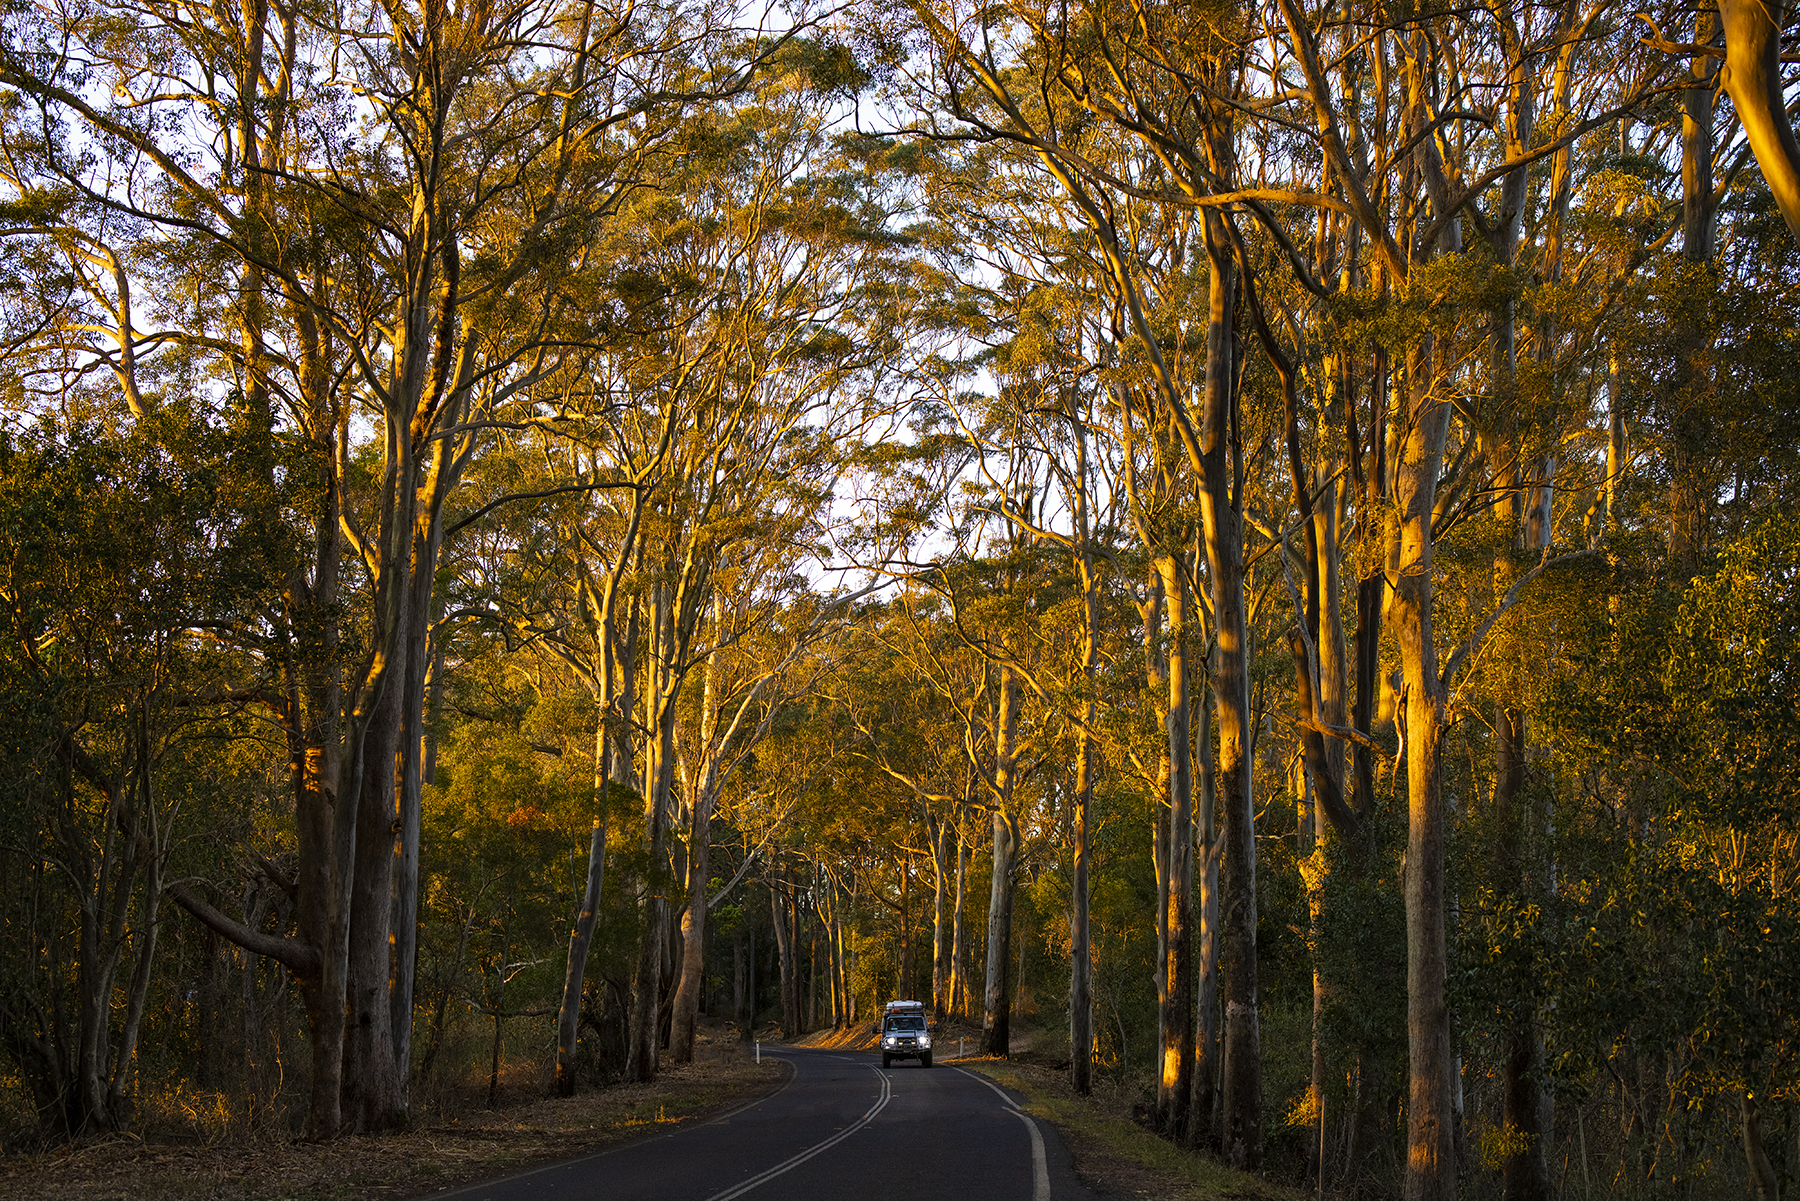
{"x":1040,"y":1162}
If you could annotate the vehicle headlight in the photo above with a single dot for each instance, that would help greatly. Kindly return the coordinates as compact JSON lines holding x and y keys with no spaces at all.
{"x":924,"y":1040}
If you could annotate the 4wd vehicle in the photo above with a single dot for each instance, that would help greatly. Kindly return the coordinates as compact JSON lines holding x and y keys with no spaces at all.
{"x":905,"y":1034}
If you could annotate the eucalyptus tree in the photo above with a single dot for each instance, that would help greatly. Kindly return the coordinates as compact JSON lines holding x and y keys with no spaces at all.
{"x":751,"y":336}
{"x":1011,"y":90}
{"x":363,"y":219}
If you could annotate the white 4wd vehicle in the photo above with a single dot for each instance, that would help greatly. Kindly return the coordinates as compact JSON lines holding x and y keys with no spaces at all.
{"x":905,"y":1034}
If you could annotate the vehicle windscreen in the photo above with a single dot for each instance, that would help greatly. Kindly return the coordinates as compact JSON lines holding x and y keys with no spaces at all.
{"x":906,"y":1022}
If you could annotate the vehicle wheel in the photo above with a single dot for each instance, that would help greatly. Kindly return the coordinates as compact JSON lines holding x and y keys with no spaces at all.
{"x":925,"y":1060}
{"x":887,"y":1061}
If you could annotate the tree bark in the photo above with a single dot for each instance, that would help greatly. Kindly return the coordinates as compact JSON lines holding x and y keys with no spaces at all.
{"x":1081,"y":986}
{"x":996,"y":1020}
{"x":1174,"y":1092}
{"x":959,"y":950}
{"x":1763,"y":1178}
{"x":1431,"y":1161}
{"x":940,"y":925}
{"x":1222,"y":528}
{"x":1753,"y":78}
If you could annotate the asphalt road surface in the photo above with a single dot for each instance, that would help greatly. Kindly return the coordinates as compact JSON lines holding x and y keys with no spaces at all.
{"x":840,"y":1128}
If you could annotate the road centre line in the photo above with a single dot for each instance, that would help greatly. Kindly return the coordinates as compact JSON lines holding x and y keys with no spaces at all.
{"x":757,"y":1181}
{"x":1040,"y":1164}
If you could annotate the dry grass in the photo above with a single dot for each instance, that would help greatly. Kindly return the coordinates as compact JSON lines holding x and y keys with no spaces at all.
{"x":1116,"y":1156}
{"x":413,"y":1163}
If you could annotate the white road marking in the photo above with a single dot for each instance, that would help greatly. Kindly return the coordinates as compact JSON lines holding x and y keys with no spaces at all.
{"x":657,"y":1138}
{"x":1040,"y":1165}
{"x":732,"y":1113}
{"x":789,"y":1165}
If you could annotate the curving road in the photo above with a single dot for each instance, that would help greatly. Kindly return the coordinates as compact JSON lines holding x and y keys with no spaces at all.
{"x":840,"y":1128}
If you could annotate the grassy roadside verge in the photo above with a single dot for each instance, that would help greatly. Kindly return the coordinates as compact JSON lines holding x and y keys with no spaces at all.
{"x":1116,"y":1156}
{"x":410,"y":1164}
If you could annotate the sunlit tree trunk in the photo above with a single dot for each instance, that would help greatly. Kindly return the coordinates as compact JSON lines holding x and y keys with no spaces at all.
{"x":996,"y":1020}
{"x":959,"y":951}
{"x":1222,"y":528}
{"x":1431,"y":1160}
{"x":1174,"y":1090}
{"x":940,"y":923}
{"x":646,"y":996}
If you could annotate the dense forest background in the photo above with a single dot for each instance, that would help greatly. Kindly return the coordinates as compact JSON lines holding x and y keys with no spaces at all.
{"x":1252,"y":545}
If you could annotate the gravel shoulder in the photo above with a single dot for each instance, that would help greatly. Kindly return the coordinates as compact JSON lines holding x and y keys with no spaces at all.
{"x":1113,"y":1154}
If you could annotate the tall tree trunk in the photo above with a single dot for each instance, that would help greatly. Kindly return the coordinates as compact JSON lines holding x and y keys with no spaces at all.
{"x":581,"y":934}
{"x":1764,"y":1181}
{"x":1081,"y":984}
{"x":781,"y":906}
{"x":940,"y":925}
{"x":1222,"y":527}
{"x":371,"y":1096}
{"x":959,"y":950}
{"x":996,"y":1020}
{"x":1431,"y":1161}
{"x":405,"y":919}
{"x":693,"y":931}
{"x":1206,"y":1037}
{"x":646,"y":999}
{"x":907,"y":973}
{"x":1175,"y":1081}
{"x":1689,"y":422}
{"x":1753,"y":78}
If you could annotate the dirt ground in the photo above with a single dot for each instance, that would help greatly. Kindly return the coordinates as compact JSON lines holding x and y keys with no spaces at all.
{"x":416,"y":1163}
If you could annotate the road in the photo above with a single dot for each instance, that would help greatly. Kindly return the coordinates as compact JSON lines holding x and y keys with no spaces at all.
{"x":842,"y":1127}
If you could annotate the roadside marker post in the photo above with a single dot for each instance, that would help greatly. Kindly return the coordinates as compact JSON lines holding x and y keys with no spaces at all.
{"x":759,"y":1051}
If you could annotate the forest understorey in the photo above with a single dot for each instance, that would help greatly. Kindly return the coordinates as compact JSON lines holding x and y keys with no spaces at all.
{"x":451,"y":1148}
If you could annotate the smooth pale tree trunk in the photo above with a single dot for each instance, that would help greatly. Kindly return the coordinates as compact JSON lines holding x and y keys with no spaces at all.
{"x":1206,"y":1038}
{"x":996,"y":1020}
{"x":646,"y":1000}
{"x":1081,"y":985}
{"x":1753,"y":79}
{"x":1081,"y":962}
{"x":1240,"y":1136}
{"x":608,"y":758}
{"x":1156,"y":679}
{"x":1431,"y":1160}
{"x":959,"y":949}
{"x":405,"y":920}
{"x":581,"y":934}
{"x":693,"y":912}
{"x":1174,"y":1091}
{"x":781,"y":907}
{"x":907,"y":974}
{"x":941,"y":948}
{"x":1615,"y":447}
